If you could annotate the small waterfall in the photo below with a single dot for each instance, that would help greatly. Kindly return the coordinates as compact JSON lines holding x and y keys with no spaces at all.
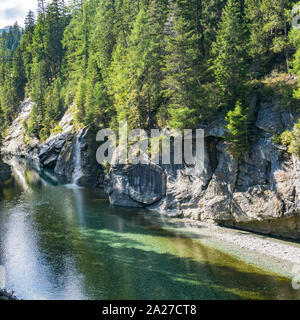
{"x":78,"y":171}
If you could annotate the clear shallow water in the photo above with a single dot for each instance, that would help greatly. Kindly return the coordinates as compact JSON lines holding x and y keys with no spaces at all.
{"x":61,"y":242}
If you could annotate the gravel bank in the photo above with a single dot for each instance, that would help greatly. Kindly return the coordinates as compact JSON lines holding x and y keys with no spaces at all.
{"x":271,"y":254}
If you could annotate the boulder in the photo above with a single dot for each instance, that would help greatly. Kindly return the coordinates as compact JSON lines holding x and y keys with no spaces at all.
{"x":137,"y":185}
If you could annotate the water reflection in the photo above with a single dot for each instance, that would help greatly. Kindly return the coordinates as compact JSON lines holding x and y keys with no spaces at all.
{"x":59,"y":242}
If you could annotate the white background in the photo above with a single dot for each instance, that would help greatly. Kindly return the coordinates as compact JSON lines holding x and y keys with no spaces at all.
{"x":15,"y":10}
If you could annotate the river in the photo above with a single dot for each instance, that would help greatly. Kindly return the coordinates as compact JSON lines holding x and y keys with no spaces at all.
{"x":59,"y":241}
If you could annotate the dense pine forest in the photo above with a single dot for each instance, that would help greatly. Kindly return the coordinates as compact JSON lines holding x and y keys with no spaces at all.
{"x":154,"y":63}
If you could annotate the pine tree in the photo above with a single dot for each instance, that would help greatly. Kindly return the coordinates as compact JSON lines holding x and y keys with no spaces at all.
{"x":54,"y":29}
{"x":19,"y":75}
{"x":105,"y":34}
{"x":29,"y":22}
{"x":136,"y":71}
{"x":76,"y":42}
{"x":269,"y":24}
{"x":295,"y":40}
{"x":183,"y":65}
{"x":98,"y":106}
{"x":230,"y":63}
{"x":26,"y":43}
{"x":211,"y":16}
{"x":239,"y":131}
{"x":152,"y":62}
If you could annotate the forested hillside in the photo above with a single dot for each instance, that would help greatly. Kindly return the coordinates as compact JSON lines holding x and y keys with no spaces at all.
{"x":155,"y":63}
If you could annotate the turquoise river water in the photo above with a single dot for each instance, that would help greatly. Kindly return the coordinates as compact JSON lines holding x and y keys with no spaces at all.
{"x":63,"y":242}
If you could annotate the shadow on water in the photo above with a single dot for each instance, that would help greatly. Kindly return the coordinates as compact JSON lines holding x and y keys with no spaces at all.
{"x":59,"y":242}
{"x":172,"y":269}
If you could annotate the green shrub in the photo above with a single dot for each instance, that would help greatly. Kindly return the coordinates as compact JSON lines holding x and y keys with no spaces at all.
{"x":291,"y":139}
{"x":239,"y":135}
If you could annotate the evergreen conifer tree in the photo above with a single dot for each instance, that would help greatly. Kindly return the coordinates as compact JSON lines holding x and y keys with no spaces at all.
{"x":230,"y":63}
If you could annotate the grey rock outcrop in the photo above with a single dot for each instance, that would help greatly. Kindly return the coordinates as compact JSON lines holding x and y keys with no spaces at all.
{"x":49,"y":151}
{"x":66,"y":160}
{"x":74,"y":160}
{"x":15,"y":142}
{"x":260,"y":193}
{"x":269,"y":119}
{"x":273,"y":119}
{"x":58,"y":152}
{"x":136,"y":186}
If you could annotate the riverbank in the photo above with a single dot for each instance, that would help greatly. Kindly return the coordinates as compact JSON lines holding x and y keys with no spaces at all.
{"x":271,"y":254}
{"x":259,"y":193}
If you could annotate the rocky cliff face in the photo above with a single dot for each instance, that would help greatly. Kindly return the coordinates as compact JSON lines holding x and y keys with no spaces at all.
{"x":259,"y":193}
{"x":65,"y":152}
{"x":14,"y":143}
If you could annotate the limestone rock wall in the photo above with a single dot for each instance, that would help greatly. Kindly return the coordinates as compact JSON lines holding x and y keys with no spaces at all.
{"x":15,"y":143}
{"x":260,"y":193}
{"x":58,"y":152}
